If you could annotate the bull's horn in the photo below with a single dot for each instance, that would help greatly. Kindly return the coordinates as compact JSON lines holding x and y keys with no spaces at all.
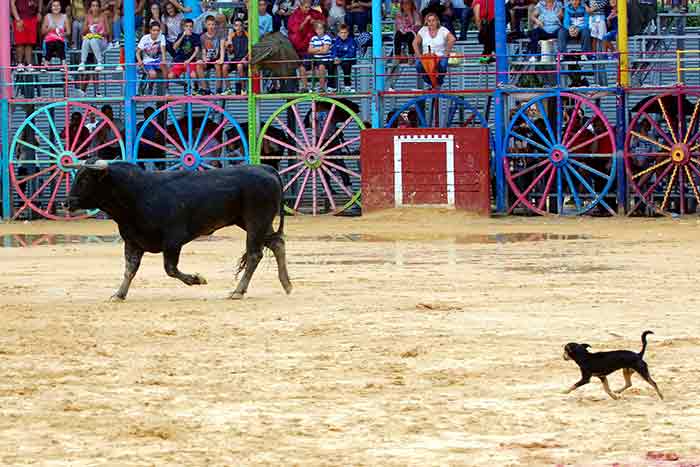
{"x":74,"y":166}
{"x":98,"y":165}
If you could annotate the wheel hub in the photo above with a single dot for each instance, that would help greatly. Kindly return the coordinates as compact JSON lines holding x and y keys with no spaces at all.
{"x":558,"y":155}
{"x":64,"y":159}
{"x":191,"y":160}
{"x":313,"y":158}
{"x":680,"y":154}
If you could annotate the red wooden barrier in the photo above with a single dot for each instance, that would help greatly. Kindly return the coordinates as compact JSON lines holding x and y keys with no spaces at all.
{"x":425,"y":166}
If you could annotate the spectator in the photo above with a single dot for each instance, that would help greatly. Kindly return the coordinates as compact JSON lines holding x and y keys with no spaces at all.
{"x":300,"y":33}
{"x":213,"y":49}
{"x":172,"y":25}
{"x":113,"y":15}
{"x":106,"y":138}
{"x":281,"y":11}
{"x":154,"y":13}
{"x":575,"y":27}
{"x":45,"y":8}
{"x":484,"y":19}
{"x":75,"y":131}
{"x":141,"y":12}
{"x":435,"y":39}
{"x":26,"y":15}
{"x":264,"y":20}
{"x":237,"y":51}
{"x":320,"y":47}
{"x":54,"y":28}
{"x":463,"y":13}
{"x":357,"y":15}
{"x":516,"y":11}
{"x":407,"y":23}
{"x":95,"y":36}
{"x":345,"y":54}
{"x":597,"y":14}
{"x":641,"y":13}
{"x":186,"y":50}
{"x":611,"y":35}
{"x":77,"y":16}
{"x":546,"y":19}
{"x":150,"y":52}
{"x":336,"y":15}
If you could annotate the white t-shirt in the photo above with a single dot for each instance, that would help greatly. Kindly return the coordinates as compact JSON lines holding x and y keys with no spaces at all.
{"x":151,"y":48}
{"x":438,"y":43}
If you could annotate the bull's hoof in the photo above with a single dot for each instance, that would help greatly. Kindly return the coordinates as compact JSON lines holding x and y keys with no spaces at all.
{"x":236,"y":296}
{"x":116,"y":298}
{"x":200,"y":280}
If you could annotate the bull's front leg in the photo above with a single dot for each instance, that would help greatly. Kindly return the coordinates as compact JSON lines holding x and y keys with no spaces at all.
{"x":132,"y":259}
{"x":171,"y":257}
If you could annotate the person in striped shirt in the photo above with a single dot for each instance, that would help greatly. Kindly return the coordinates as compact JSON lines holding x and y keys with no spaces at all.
{"x":320,"y":49}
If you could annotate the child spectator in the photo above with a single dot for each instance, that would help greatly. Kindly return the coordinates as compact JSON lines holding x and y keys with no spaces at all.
{"x":186,"y":49}
{"x":95,"y":36}
{"x":546,"y":21}
{"x":611,"y":35}
{"x":407,"y":22}
{"x":54,"y":28}
{"x":264,"y":20}
{"x":150,"y":53}
{"x":575,"y":27}
{"x":320,"y":49}
{"x":77,"y":16}
{"x":26,"y":15}
{"x":597,"y":14}
{"x":345,"y":53}
{"x":300,"y":33}
{"x":237,"y":51}
{"x":172,"y":25}
{"x":213,"y":48}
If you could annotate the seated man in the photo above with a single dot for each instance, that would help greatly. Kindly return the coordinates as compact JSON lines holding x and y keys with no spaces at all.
{"x":546,"y":21}
{"x":575,"y":27}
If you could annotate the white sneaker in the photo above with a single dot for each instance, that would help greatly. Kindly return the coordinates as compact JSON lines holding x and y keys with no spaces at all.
{"x":20,"y":68}
{"x":532,"y":59}
{"x":584,"y":58}
{"x":29,"y":69}
{"x":119,"y":68}
{"x":81,"y":67}
{"x":390,"y":89}
{"x":349,"y":89}
{"x":99,"y":67}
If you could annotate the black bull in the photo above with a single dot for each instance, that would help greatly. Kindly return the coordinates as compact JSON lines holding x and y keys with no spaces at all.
{"x":162,"y":211}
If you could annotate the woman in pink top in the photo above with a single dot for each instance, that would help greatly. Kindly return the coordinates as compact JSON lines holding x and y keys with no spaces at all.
{"x":95,"y":35}
{"x":55,"y":28}
{"x":407,"y":23}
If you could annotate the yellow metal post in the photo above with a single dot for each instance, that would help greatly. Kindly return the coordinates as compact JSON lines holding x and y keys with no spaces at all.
{"x":622,"y":43}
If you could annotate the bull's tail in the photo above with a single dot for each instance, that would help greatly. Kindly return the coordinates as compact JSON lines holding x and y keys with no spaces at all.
{"x":644,"y":343}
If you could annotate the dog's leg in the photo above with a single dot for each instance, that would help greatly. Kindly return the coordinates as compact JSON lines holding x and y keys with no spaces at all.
{"x":604,"y":380}
{"x":643,"y":371}
{"x":627,"y":372}
{"x":585,"y":379}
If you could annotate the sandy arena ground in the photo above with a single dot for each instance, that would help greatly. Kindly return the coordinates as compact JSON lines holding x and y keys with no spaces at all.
{"x":413,"y":337}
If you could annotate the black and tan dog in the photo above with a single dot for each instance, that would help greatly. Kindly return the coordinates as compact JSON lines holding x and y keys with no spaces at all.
{"x":601,"y":364}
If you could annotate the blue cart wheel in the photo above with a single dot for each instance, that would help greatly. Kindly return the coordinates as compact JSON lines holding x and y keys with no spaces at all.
{"x":560,"y":156}
{"x":190,"y":134}
{"x":437,"y":111}
{"x":47,"y":143}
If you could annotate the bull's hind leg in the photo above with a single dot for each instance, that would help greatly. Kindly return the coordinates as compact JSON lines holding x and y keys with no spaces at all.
{"x":132,"y":261}
{"x":171,"y":257}
{"x":278,"y":248}
{"x":253,"y":255}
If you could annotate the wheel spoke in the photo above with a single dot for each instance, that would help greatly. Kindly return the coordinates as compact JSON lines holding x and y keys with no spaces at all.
{"x":219,"y":146}
{"x":294,"y":178}
{"x":681,"y":121}
{"x":529,"y":141}
{"x":547,"y":187}
{"x":326,"y":124}
{"x":290,"y":133}
{"x":31,"y":199}
{"x":532,"y":185}
{"x":300,"y":124}
{"x":38,"y":174}
{"x":658,"y":129}
{"x":283,"y":144}
{"x":52,"y":124}
{"x":175,"y":166}
{"x":692,"y":121}
{"x":337,"y":132}
{"x":590,"y":141}
{"x":314,"y":204}
{"x":534,"y":128}
{"x":651,"y":188}
{"x":38,"y":149}
{"x":291,"y":167}
{"x":342,"y":169}
{"x":313,"y":129}
{"x":681,"y":189}
{"x":692,"y":182}
{"x":159,"y":146}
{"x":589,"y":169}
{"x":188,"y":111}
{"x":422,"y":121}
{"x":596,"y":196}
{"x":342,"y":145}
{"x":545,"y":117}
{"x":652,"y":168}
{"x":165,"y":133}
{"x":176,"y":124}
{"x":90,"y":136}
{"x":529,"y":169}
{"x":649,"y":140}
{"x":202,"y":125}
{"x":669,"y":186}
{"x":97,"y":148}
{"x":54,"y":193}
{"x":580,"y":131}
{"x":43,"y":137}
{"x":327,"y":190}
{"x":573,"y":189}
{"x":337,"y":181}
{"x":301,"y":189}
{"x":76,"y":137}
{"x":572,"y":119}
{"x":668,"y":121}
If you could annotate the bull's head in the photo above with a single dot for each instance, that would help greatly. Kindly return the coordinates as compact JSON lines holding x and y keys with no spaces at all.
{"x":87,"y":185}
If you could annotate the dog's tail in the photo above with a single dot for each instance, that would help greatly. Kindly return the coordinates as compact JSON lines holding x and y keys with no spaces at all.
{"x":644,"y":342}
